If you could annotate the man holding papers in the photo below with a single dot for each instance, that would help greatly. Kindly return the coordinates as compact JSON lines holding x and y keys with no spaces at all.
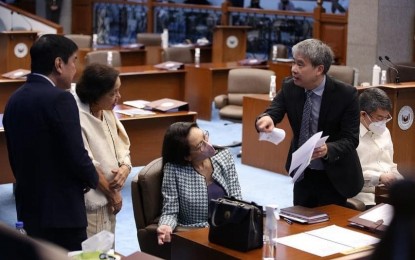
{"x":318,"y":106}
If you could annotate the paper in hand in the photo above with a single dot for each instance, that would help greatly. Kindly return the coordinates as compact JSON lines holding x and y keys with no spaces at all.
{"x":276,"y":136}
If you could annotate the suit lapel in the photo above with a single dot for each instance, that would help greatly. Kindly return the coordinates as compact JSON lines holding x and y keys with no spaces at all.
{"x":325,"y":102}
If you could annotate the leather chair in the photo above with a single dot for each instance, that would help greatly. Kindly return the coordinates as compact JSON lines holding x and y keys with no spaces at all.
{"x":406,"y":72}
{"x":343,"y":73}
{"x":177,"y":54}
{"x":152,"y":43}
{"x":101,"y":57}
{"x":242,"y":82}
{"x":282,"y":51}
{"x":82,"y":40}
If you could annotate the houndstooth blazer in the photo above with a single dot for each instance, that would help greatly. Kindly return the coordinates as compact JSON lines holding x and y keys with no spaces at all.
{"x":185,"y":192}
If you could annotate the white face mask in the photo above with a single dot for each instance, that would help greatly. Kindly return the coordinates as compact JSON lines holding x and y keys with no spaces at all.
{"x":378,"y":127}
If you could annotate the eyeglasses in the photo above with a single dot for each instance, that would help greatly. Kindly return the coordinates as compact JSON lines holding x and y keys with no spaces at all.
{"x":379,"y":118}
{"x":106,"y":256}
{"x":202,"y":144}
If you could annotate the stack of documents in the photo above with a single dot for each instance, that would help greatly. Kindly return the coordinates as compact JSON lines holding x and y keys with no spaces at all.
{"x":377,"y":218}
{"x":304,"y":215}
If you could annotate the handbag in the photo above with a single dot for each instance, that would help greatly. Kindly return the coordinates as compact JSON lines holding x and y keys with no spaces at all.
{"x":235,"y":224}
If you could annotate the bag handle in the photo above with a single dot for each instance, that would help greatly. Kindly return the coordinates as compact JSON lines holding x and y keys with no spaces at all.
{"x":219,"y":201}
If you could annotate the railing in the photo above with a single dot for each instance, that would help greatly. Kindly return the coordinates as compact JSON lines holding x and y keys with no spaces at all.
{"x":118,"y":22}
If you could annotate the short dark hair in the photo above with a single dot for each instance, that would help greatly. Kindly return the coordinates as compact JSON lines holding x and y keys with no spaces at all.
{"x":373,"y":98}
{"x":96,"y":81}
{"x":46,"y":49}
{"x":175,"y":144}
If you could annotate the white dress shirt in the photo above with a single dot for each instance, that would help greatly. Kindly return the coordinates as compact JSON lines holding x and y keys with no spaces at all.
{"x":376,"y":157}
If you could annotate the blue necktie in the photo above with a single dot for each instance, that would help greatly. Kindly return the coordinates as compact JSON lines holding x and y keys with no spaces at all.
{"x":305,"y":122}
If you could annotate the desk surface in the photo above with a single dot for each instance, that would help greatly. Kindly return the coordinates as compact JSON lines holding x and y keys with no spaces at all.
{"x":195,"y":242}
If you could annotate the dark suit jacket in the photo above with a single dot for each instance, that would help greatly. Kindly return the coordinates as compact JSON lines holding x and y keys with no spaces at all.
{"x":47,"y":156}
{"x":339,"y":119}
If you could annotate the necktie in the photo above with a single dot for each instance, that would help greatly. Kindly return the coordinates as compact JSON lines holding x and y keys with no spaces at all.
{"x":305,"y":122}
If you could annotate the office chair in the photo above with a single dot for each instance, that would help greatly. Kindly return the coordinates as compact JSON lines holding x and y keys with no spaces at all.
{"x":147,"y":204}
{"x":82,"y":40}
{"x":152,"y":43}
{"x":282,"y":51}
{"x":242,"y":82}
{"x":101,"y":58}
{"x":343,"y":73}
{"x":178,"y":54}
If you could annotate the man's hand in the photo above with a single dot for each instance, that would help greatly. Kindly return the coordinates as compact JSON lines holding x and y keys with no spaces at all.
{"x":265,"y":124}
{"x":319,"y":152}
{"x":164,"y":234}
{"x":387,"y":178}
{"x":115,"y":201}
{"x":120,"y":175}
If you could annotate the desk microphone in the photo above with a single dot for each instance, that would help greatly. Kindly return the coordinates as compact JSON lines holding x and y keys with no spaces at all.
{"x":24,"y":18}
{"x":391,"y":67}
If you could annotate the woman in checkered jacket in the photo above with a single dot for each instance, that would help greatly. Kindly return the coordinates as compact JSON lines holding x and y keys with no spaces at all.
{"x":194,"y":173}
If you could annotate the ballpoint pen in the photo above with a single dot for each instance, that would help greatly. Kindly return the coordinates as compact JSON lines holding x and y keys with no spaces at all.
{"x":289,"y":222}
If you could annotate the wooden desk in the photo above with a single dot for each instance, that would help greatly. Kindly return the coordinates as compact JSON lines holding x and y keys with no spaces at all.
{"x":146,"y":133}
{"x":194,"y":244}
{"x":129,"y":57}
{"x":7,"y":87}
{"x":148,"y":83}
{"x":271,"y":157}
{"x":6,"y":174}
{"x":205,"y":82}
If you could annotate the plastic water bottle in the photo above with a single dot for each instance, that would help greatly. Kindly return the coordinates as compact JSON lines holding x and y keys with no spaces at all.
{"x":197,"y":57}
{"x":269,"y":248}
{"x":272,"y":87}
{"x":20,"y":228}
{"x":109,"y":58}
{"x":94,"y":40}
{"x":274,"y":53}
{"x":383,"y":77}
{"x":375,"y":75}
{"x":165,"y":39}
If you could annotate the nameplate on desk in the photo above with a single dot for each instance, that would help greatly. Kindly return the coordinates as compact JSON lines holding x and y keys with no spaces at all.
{"x":16,"y":74}
{"x":168,"y":105}
{"x":170,"y":65}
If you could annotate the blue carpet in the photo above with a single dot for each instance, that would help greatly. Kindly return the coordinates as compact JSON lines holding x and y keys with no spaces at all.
{"x":260,"y":186}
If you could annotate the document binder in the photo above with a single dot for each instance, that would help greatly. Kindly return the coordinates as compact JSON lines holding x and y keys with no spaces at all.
{"x":376,"y":219}
{"x":167,"y":105}
{"x":304,"y":215}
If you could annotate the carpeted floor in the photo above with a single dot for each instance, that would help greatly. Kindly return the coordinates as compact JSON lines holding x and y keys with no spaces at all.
{"x":260,"y":186}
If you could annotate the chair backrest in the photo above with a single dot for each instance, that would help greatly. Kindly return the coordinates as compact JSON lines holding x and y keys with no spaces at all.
{"x":149,"y":39}
{"x":178,"y":54}
{"x":82,"y":40}
{"x":406,"y":71}
{"x":343,"y":73}
{"x":146,"y":194}
{"x":244,"y":81}
{"x":101,"y":57}
{"x":282,"y":51}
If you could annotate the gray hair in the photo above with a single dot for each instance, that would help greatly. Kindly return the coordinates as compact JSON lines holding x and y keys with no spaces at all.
{"x":316,"y":51}
{"x":373,"y":98}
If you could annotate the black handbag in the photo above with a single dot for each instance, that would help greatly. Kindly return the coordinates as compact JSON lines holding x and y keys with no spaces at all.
{"x":236,"y":224}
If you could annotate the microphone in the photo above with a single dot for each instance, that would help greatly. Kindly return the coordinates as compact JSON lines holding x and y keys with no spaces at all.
{"x":393,"y":68}
{"x":24,"y":18}
{"x":396,"y":68}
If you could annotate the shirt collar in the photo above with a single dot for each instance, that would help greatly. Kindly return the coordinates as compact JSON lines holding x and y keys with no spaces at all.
{"x":320,"y":88}
{"x":41,"y":75}
{"x":363,"y":130}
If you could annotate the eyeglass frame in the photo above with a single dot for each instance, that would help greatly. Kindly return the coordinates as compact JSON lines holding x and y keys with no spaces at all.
{"x":202,"y":144}
{"x":386,"y":119}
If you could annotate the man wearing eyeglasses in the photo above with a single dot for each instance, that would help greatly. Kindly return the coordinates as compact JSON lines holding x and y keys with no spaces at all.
{"x":375,"y":148}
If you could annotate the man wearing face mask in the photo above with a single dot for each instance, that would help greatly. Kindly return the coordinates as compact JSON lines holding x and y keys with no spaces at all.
{"x":194,"y":173}
{"x":375,"y":148}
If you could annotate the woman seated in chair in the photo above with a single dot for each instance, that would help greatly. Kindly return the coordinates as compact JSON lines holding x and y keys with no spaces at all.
{"x":194,"y":173}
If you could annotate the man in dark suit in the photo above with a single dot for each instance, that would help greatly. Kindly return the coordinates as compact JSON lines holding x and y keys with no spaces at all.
{"x":334,"y":173}
{"x":45,"y":147}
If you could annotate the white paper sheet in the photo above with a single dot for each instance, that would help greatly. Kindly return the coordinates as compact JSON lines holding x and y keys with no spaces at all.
{"x":135,"y":112}
{"x":276,"y":136}
{"x":136,"y":103}
{"x":301,"y":158}
{"x":384,"y":213}
{"x":328,"y":240}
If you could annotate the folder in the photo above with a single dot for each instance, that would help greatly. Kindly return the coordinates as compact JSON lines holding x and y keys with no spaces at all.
{"x":376,"y":219}
{"x":16,"y":74}
{"x":304,"y":215}
{"x":170,"y":65}
{"x":168,"y":105}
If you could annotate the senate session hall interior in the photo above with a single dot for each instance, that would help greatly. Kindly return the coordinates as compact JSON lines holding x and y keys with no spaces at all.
{"x":203,"y":41}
